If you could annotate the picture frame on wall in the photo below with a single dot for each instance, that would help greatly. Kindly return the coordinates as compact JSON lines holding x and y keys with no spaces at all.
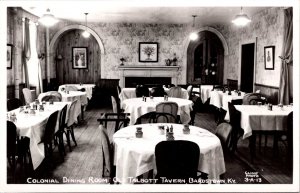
{"x":269,"y":52}
{"x":148,"y":52}
{"x":9,"y":56}
{"x":80,"y":58}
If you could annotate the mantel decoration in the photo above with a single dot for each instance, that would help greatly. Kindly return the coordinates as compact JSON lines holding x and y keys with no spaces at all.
{"x":9,"y":56}
{"x":148,"y":52}
{"x":269,"y":53}
{"x":80,"y":58}
{"x":171,"y":62}
{"x":122,"y":61}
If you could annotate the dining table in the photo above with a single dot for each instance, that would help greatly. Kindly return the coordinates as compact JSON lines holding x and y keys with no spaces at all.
{"x":220,"y":99}
{"x":88,"y":88}
{"x":261,"y":118}
{"x":204,"y":91}
{"x":137,"y":107}
{"x":32,"y":123}
{"x":135,"y":156}
{"x":127,"y":93}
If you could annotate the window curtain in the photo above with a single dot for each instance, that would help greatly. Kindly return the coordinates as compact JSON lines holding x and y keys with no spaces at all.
{"x":26,"y":52}
{"x":33,"y":66}
{"x":286,"y":57}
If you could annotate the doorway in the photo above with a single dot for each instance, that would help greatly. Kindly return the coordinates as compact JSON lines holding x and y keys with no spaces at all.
{"x":205,"y":59}
{"x":247,"y":67}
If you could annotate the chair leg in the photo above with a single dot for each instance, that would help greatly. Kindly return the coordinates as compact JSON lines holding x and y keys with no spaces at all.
{"x":61,"y":145}
{"x":67,"y":133}
{"x":72,"y":135}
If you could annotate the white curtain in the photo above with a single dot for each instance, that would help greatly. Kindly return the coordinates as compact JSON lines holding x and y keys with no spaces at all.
{"x":34,"y":68}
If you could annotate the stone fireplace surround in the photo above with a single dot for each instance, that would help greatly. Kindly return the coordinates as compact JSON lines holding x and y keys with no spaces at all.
{"x":151,"y":72}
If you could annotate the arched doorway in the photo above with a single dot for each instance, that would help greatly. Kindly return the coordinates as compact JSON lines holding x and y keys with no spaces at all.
{"x":62,"y":43}
{"x":205,"y":58}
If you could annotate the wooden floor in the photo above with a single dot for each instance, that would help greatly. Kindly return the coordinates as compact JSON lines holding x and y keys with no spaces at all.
{"x":81,"y":164}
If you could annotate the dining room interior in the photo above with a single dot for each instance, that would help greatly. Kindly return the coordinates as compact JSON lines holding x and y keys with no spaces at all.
{"x":122,"y":93}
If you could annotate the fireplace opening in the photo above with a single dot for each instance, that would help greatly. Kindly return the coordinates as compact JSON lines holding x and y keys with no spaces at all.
{"x":131,"y":82}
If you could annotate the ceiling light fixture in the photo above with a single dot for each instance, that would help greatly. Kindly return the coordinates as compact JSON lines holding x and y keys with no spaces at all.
{"x":48,"y":19}
{"x":241,"y":19}
{"x":193,"y":35}
{"x":86,"y":34}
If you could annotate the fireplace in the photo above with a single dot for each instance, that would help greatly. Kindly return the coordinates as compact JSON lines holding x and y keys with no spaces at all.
{"x":132,"y":75}
{"x":148,"y":81}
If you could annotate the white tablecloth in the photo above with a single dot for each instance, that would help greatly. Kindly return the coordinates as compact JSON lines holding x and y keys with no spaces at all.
{"x":220,"y":99}
{"x":33,"y":127}
{"x":128,"y":93}
{"x":205,"y":92}
{"x":137,"y":107}
{"x":88,"y":88}
{"x":254,"y":117}
{"x":135,"y":156}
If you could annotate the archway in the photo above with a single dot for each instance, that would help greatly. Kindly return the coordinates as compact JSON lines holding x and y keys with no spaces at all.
{"x":55,"y":40}
{"x":210,"y":49}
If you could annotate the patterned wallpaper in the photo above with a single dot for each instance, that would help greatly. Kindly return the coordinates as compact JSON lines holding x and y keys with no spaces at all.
{"x":122,"y":39}
{"x":267,"y":27}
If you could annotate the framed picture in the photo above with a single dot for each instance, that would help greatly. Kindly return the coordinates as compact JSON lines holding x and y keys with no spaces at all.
{"x":9,"y":56}
{"x":148,"y":52}
{"x":269,"y":57}
{"x":80,"y":57}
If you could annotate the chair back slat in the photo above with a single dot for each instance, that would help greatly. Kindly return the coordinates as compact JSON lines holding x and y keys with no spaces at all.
{"x":175,"y":92}
{"x":167,"y":107}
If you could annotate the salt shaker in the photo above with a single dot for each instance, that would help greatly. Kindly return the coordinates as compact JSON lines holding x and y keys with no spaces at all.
{"x":186,"y":129}
{"x":139,"y":132}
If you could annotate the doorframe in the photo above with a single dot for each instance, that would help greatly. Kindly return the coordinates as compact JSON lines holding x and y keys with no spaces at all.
{"x":187,"y":43}
{"x":241,"y":43}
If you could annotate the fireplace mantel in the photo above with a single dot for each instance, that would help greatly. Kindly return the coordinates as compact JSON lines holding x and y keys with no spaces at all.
{"x":148,"y":71}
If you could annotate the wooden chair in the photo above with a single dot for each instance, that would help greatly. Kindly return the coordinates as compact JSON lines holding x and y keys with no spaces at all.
{"x":28,"y":95}
{"x":249,"y":96}
{"x":61,"y":131}
{"x":255,"y":101}
{"x":51,"y":97}
{"x":175,"y":91}
{"x":105,"y":161}
{"x":235,"y":122}
{"x":12,"y":146}
{"x":119,"y":119}
{"x":223,"y":132}
{"x":13,"y":103}
{"x":161,"y":117}
{"x":167,"y":107}
{"x":55,"y":93}
{"x":72,"y":119}
{"x":48,"y":136}
{"x":177,"y":159}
